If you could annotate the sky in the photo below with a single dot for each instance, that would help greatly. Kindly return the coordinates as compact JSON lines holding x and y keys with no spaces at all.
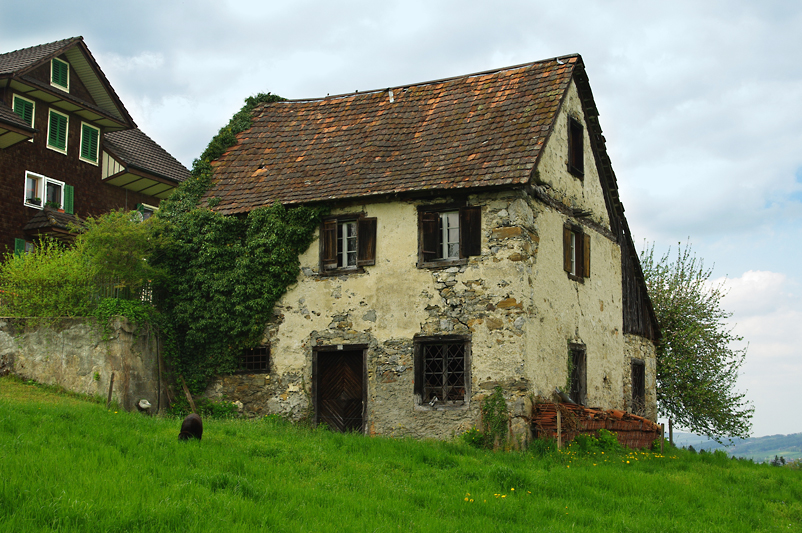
{"x":700,"y":102}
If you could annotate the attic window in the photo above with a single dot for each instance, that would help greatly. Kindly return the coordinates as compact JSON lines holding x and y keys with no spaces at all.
{"x":90,"y":141}
{"x":60,"y":74}
{"x":576,"y":253}
{"x":576,"y":152}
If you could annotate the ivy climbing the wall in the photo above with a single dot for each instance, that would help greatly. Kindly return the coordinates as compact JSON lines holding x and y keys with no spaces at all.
{"x":223,"y":274}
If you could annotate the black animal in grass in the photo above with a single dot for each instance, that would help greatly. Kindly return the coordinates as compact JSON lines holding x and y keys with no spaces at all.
{"x":191,"y":428}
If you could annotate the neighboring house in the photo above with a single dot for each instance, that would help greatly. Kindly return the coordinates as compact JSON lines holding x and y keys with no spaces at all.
{"x":476,"y":239}
{"x":68,"y":147}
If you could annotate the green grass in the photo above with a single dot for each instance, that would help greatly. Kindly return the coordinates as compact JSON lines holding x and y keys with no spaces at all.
{"x":70,"y":465}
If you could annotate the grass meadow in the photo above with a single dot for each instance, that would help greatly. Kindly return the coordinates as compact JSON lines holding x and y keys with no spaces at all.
{"x":68,"y":464}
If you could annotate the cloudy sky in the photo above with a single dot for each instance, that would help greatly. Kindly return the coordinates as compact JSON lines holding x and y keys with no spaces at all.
{"x":701,"y":104}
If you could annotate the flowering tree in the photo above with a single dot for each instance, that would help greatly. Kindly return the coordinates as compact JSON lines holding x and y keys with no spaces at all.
{"x":696,"y":365}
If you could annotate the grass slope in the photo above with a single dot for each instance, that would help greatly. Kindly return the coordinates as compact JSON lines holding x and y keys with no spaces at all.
{"x":70,"y":465}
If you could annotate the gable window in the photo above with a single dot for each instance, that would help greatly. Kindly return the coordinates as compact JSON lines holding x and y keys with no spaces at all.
{"x":442,"y":371}
{"x":60,"y":74}
{"x":25,"y":109}
{"x":57,"y":127}
{"x":41,"y":191}
{"x":448,"y":235}
{"x":579,"y":386}
{"x":90,"y":140}
{"x":576,"y":253}
{"x":255,"y":360}
{"x":347,"y":242}
{"x":576,"y":152}
{"x":638,"y":387}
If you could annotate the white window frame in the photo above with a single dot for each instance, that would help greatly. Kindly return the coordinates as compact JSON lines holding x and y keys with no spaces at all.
{"x":344,"y":242}
{"x":53,"y":83}
{"x":81,"y":147}
{"x":66,"y":135}
{"x":41,"y":189}
{"x":447,"y":228}
{"x":573,"y":253}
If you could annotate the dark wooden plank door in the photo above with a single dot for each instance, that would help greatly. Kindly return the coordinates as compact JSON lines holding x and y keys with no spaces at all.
{"x":339,"y":390}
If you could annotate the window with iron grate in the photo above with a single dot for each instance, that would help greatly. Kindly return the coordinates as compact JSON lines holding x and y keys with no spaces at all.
{"x":255,"y":360}
{"x":441,"y":371}
{"x":638,"y":387}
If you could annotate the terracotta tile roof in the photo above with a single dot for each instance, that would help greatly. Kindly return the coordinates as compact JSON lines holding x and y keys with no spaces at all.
{"x":7,"y":116}
{"x":472,"y":131}
{"x":12,"y":62}
{"x":138,"y":150}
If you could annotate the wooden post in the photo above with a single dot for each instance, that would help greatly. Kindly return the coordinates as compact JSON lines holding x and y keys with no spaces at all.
{"x":662,"y":437}
{"x":671,"y":432}
{"x":559,"y":430}
{"x":189,"y":396}
{"x":111,"y":384}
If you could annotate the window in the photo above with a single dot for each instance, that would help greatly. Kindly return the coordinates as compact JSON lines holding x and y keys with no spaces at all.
{"x":576,"y":152}
{"x":21,"y":246}
{"x":255,"y":360}
{"x":638,"y":387}
{"x":41,"y":191}
{"x":90,"y":139}
{"x":25,"y":109}
{"x":576,"y":253}
{"x":347,"y":243}
{"x":60,"y":74}
{"x":442,"y":371}
{"x":57,"y":128}
{"x":579,"y":386}
{"x":146,"y":210}
{"x":448,"y":234}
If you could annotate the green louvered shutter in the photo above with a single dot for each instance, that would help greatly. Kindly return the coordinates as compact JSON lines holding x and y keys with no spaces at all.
{"x":69,"y":199}
{"x":19,"y":246}
{"x":57,"y":136}
{"x":60,"y":73}
{"x":89,"y":142}
{"x":24,"y":109}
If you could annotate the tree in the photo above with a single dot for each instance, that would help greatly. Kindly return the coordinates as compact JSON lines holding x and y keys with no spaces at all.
{"x":696,"y":365}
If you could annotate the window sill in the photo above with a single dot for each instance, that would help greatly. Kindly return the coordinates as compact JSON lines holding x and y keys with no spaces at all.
{"x":56,"y":149}
{"x":443,"y":263}
{"x":334,"y":272}
{"x":578,"y":279}
{"x":88,"y":161}
{"x":442,"y":407}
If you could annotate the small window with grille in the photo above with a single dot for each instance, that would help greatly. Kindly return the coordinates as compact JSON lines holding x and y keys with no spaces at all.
{"x":255,"y":360}
{"x":442,"y":371}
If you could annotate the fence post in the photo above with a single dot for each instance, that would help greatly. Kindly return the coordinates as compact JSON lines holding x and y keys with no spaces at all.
{"x":671,"y":432}
{"x":559,"y":430}
{"x":111,"y":384}
{"x":662,"y":437}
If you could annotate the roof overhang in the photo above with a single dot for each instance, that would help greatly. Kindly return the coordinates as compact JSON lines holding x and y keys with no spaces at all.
{"x":11,"y":134}
{"x":142,"y":181}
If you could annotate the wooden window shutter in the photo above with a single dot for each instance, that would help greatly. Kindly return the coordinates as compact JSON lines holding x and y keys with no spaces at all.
{"x":470,"y":231}
{"x":567,"y":249}
{"x":60,"y":73}
{"x":586,"y":255}
{"x":89,"y":143}
{"x":69,"y":199}
{"x":429,"y":235}
{"x":19,"y":246}
{"x":24,"y":109}
{"x":57,"y":135}
{"x":366,"y":242}
{"x":328,"y":242}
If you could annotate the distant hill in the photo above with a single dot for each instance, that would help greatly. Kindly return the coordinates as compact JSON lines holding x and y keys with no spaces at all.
{"x":760,"y":449}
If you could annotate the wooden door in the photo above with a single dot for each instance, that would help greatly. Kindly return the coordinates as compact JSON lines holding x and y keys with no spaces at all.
{"x":340,"y":389}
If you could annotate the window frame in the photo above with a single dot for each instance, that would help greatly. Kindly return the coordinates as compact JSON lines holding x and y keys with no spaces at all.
{"x":431,"y":232}
{"x":421,"y":346}
{"x":54,"y":82}
{"x":330,"y":255}
{"x":97,"y":144}
{"x":67,"y":192}
{"x":576,"y":148}
{"x":579,"y":373}
{"x":66,"y":117}
{"x":576,"y":252}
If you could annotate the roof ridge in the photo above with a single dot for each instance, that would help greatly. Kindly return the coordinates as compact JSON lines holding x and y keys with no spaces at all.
{"x":440,"y":80}
{"x":65,"y":41}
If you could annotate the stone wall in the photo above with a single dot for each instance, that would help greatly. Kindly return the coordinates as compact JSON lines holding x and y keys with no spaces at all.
{"x":641,"y":349}
{"x":72,"y":353}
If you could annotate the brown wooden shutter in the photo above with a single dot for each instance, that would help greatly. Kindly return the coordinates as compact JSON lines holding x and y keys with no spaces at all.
{"x":586,"y":255}
{"x":328,"y":244}
{"x":470,"y":231}
{"x":428,"y":222}
{"x":366,"y":242}
{"x":567,"y":249}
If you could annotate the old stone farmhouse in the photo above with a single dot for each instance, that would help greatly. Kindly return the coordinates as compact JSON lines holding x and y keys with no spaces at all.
{"x":476,"y":239}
